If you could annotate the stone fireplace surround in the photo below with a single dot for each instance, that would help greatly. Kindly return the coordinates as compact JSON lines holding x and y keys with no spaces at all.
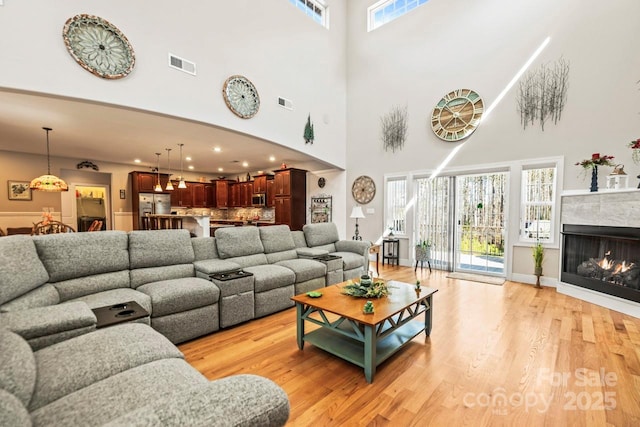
{"x":614,"y":208}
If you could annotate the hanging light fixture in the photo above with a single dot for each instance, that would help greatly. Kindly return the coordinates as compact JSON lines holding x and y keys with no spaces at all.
{"x":169,"y":186}
{"x":181,"y":184}
{"x":48,"y":182}
{"x":158,"y":187}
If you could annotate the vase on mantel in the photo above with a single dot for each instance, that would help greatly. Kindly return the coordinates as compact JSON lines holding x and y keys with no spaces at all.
{"x":594,"y":178}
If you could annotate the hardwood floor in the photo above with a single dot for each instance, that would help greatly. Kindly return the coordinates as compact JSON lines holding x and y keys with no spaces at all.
{"x":497,"y":355}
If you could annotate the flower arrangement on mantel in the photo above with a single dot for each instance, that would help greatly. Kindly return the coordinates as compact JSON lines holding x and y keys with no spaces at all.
{"x":635,"y":151}
{"x":595,"y":161}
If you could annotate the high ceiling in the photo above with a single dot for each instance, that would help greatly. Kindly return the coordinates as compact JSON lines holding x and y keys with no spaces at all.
{"x":105,"y":133}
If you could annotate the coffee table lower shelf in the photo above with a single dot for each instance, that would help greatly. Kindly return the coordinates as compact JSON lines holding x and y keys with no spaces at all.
{"x":353,"y":350}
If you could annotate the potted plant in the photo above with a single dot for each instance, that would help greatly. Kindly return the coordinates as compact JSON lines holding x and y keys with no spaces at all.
{"x":538,"y":258}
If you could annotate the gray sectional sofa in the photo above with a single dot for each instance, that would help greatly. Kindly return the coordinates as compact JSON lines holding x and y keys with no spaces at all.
{"x":49,"y":285}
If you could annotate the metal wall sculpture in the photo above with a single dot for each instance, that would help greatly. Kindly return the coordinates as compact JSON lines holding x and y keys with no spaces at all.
{"x":542,"y":94}
{"x":394,"y":128}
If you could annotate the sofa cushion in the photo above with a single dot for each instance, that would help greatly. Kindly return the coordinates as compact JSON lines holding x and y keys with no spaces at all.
{"x":271,"y":276}
{"x":72,"y":255}
{"x":140,"y":276}
{"x":17,"y":366}
{"x":351,"y":260}
{"x":95,"y":356}
{"x":269,"y":405}
{"x":16,"y":253}
{"x":116,"y":395}
{"x":238,"y":241}
{"x":298,"y":238}
{"x":276,"y":238}
{"x":204,"y":248}
{"x":159,"y":248}
{"x":75,"y":288}
{"x":12,"y":411}
{"x":249,"y":260}
{"x":311,"y":252}
{"x":320,"y":234}
{"x":175,"y":296}
{"x":305,"y":269}
{"x":45,"y":295}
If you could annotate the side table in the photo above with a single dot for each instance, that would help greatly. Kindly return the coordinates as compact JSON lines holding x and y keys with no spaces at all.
{"x":375,"y":249}
{"x":391,"y":251}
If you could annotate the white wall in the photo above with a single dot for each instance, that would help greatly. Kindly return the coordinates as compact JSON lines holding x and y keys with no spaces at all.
{"x":272,"y":43}
{"x":451,"y":44}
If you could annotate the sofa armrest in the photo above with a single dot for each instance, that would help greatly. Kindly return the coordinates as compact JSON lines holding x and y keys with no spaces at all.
{"x":357,"y":246}
{"x":44,"y":326}
{"x":247,"y":400}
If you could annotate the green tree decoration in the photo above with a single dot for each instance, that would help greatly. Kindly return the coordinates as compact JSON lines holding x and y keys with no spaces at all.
{"x":308,"y":131}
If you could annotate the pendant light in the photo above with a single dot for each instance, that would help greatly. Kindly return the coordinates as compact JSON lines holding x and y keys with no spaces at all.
{"x":181,"y":184}
{"x":158,"y":187}
{"x":48,"y":182}
{"x":169,"y":186}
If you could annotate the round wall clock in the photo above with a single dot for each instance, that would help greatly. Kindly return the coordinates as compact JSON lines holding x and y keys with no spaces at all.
{"x":457,"y":115}
{"x":363,"y":189}
{"x":241,"y":96}
{"x":98,"y":46}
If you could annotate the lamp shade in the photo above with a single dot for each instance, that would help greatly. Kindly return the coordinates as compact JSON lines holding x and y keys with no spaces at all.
{"x":48,"y":182}
{"x":356,"y":212}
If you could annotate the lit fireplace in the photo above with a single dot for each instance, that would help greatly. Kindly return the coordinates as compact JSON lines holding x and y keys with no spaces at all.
{"x":603,"y":259}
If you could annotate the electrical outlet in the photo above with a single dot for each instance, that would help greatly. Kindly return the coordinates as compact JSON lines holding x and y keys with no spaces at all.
{"x":371,"y":210}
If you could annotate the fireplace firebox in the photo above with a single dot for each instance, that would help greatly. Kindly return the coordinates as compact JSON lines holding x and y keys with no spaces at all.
{"x":603,"y":259}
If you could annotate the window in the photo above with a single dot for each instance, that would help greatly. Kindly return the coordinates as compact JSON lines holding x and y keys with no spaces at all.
{"x":313,"y":9}
{"x":397,"y":205}
{"x":538,"y":201}
{"x":387,"y":10}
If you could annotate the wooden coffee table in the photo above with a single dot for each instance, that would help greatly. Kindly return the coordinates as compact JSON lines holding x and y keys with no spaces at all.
{"x":365,"y":340}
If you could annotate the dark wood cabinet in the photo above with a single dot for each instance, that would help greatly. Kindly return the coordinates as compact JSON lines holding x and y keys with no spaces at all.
{"x":271,"y":194}
{"x":182,"y":197}
{"x":290,"y":196}
{"x":234,"y":194}
{"x":222,"y":193}
{"x":198,"y":194}
{"x":260,"y":183}
{"x":143,"y":182}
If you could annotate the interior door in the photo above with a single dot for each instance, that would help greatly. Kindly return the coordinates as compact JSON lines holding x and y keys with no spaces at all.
{"x":480,"y":223}
{"x":91,"y":203}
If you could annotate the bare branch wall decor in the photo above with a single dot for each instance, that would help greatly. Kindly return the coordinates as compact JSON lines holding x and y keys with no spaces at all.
{"x":394,"y":128}
{"x":542,"y":93}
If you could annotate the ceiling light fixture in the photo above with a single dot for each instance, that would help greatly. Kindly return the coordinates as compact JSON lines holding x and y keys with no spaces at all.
{"x":217,"y":149}
{"x":48,"y":182}
{"x":158,"y":187}
{"x":181,"y":184}
{"x":169,"y":186}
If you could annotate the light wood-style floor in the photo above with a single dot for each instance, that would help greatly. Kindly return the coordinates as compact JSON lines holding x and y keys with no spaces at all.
{"x":498,"y":355}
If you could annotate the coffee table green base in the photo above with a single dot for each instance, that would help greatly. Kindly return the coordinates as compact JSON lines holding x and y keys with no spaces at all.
{"x":366,"y":346}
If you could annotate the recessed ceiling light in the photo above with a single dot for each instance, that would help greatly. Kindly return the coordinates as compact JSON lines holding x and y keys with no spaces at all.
{"x":217,"y":149}
{"x":191,"y":167}
{"x":220,"y":170}
{"x":188,"y":159}
{"x":245,"y":164}
{"x":136,"y":161}
{"x":272,"y":158}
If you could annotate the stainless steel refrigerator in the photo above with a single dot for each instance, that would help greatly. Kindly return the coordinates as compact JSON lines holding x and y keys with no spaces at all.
{"x":151,"y":203}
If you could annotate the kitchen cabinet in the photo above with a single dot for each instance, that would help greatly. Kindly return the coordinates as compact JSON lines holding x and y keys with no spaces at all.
{"x":260,"y":183}
{"x":145,"y":182}
{"x":218,"y":194}
{"x":234,"y":194}
{"x":271,"y":194}
{"x":290,"y":187}
{"x":182,"y":197}
{"x":198,"y":194}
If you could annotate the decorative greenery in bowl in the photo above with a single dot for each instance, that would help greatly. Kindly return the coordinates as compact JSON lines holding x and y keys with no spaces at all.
{"x":377,"y":289}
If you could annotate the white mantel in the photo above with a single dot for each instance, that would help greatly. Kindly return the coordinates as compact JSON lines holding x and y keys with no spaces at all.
{"x":614,"y":208}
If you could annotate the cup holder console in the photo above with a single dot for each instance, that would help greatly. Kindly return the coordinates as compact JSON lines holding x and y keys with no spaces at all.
{"x":125,"y":313}
{"x":118,"y":313}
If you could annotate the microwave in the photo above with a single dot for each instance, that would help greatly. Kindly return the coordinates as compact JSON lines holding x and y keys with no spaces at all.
{"x":259,"y":199}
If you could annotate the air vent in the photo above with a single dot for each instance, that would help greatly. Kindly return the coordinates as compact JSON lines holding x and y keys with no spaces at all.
{"x":285,"y":103}
{"x":182,"y":64}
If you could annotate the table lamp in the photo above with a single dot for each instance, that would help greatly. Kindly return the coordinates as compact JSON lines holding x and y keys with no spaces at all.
{"x":357,"y":213}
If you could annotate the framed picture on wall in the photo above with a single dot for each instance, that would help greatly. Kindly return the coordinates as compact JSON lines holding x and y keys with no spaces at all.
{"x":19,"y":190}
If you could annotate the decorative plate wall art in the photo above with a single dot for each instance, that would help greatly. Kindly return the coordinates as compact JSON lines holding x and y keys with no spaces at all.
{"x":98,"y":46}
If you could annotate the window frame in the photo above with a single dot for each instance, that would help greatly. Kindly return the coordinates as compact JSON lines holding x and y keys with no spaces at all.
{"x":390,"y":208}
{"x":553,"y":204}
{"x":383,"y":5}
{"x":304,"y":5}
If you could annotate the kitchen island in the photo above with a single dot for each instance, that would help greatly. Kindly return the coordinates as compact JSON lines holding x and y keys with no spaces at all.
{"x":197,"y":225}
